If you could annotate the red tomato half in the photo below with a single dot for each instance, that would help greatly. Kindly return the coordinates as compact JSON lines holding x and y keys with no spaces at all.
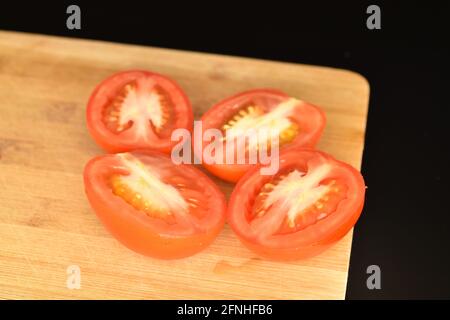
{"x":311,"y":203}
{"x":153,"y":206}
{"x":292,"y":121}
{"x":137,"y":109}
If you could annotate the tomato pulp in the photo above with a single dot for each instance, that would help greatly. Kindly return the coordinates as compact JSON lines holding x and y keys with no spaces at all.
{"x":311,"y":203}
{"x":137,"y":109}
{"x":293,"y":121}
{"x":153,"y":206}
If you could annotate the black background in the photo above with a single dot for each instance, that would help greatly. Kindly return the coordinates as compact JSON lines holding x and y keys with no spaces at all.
{"x":405,"y":226}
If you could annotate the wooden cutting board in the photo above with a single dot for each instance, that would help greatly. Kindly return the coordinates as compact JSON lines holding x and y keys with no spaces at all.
{"x":46,"y":224}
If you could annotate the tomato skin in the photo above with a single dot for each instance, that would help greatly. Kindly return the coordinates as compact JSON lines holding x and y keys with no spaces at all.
{"x":300,"y":253}
{"x":228,"y":172}
{"x":135,"y":230}
{"x":315,"y":240}
{"x":110,"y":142}
{"x":215,"y":115}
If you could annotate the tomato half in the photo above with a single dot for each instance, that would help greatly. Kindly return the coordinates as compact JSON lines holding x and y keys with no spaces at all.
{"x":137,"y":109}
{"x":153,"y":206}
{"x":309,"y":204}
{"x":293,"y":121}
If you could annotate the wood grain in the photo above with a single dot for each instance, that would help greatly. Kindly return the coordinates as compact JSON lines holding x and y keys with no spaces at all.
{"x":45,"y":220}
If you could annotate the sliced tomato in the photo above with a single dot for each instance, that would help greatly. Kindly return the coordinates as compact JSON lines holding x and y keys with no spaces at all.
{"x":293,"y":121}
{"x":153,"y":206}
{"x":137,"y":109}
{"x":309,"y":204}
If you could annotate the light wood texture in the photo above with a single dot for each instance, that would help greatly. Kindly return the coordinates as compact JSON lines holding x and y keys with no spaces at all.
{"x":46,"y":223}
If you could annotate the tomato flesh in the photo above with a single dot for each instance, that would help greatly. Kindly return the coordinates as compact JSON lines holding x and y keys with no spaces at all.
{"x":137,"y":109}
{"x":312,"y":202}
{"x":291,"y":120}
{"x":153,"y":206}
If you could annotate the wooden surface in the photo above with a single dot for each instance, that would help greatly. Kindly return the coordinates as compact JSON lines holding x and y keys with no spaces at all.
{"x":46,"y":223}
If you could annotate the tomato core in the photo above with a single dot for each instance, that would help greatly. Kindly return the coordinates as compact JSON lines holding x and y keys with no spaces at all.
{"x":255,"y":117}
{"x":139,"y":103}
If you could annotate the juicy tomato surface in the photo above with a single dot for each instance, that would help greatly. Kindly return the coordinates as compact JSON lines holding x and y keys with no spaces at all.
{"x":292,"y":120}
{"x":137,"y":109}
{"x":153,"y":206}
{"x":309,"y":204}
